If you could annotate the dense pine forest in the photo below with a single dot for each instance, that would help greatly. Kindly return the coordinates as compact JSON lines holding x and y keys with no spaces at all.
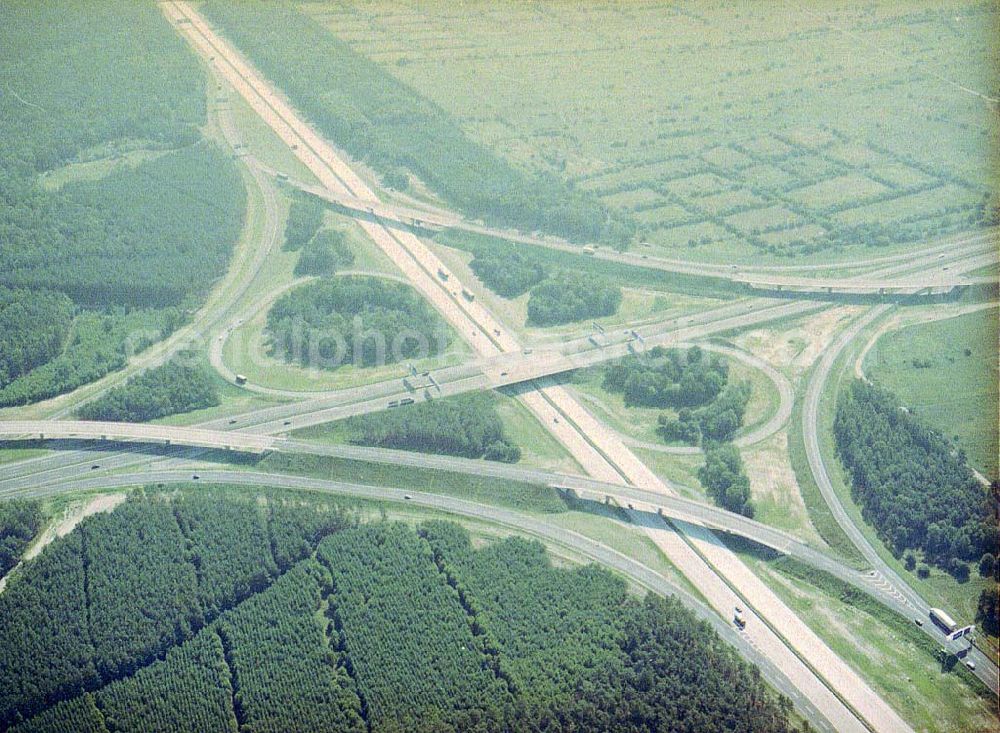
{"x":362,"y":320}
{"x":380,"y":120}
{"x":226,"y":611}
{"x":97,"y":259}
{"x":912,"y":484}
{"x":20,"y":520}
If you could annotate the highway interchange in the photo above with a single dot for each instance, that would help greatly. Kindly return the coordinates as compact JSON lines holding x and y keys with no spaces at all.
{"x":792,"y":657}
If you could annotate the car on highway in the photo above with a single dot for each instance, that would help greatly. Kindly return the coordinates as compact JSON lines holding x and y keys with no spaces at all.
{"x":408,"y":497}
{"x":196,"y":477}
{"x":739,"y":618}
{"x":95,"y":467}
{"x":287,"y":422}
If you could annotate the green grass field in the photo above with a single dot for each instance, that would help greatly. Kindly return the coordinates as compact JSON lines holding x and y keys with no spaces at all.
{"x":501,"y":492}
{"x":834,"y":107}
{"x":956,"y":392}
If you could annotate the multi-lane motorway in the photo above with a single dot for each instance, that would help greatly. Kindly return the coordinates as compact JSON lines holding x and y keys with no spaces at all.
{"x":844,"y":698}
{"x":828,"y":691}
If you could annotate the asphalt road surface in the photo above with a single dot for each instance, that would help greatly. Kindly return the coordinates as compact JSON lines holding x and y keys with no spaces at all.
{"x":882,"y":574}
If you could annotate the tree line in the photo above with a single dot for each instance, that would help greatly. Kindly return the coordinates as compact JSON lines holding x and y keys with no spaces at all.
{"x":913,"y":485}
{"x":725,"y":479}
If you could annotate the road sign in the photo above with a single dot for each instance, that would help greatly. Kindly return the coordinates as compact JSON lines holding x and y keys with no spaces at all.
{"x":959,"y":633}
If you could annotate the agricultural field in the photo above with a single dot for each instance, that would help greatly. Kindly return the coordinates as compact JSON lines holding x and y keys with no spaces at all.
{"x":868,"y":116}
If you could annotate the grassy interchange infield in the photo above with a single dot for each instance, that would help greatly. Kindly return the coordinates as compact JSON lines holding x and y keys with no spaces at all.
{"x":946,"y":371}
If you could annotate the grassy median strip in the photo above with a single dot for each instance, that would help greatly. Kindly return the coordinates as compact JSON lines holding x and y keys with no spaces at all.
{"x":500,"y":492}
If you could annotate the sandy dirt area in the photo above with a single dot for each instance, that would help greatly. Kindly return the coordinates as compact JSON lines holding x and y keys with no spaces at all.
{"x":797,"y":346}
{"x":65,"y":524}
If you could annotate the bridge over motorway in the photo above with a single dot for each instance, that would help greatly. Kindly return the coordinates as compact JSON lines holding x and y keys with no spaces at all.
{"x":511,"y":369}
{"x":666,"y":505}
{"x":934,"y":274}
{"x":638,"y":500}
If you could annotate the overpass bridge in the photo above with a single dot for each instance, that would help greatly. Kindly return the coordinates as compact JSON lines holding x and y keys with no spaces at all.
{"x":636,"y":499}
{"x":513,"y":370}
{"x":938,"y":279}
{"x":667,"y":506}
{"x":166,"y":435}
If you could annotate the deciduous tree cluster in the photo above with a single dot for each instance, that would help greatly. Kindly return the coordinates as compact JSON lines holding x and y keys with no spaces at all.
{"x":566,"y":296}
{"x":724,"y":478}
{"x":459,"y":426}
{"x":507,"y":274}
{"x":324,"y":254}
{"x":913,"y":485}
{"x":169,"y":389}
